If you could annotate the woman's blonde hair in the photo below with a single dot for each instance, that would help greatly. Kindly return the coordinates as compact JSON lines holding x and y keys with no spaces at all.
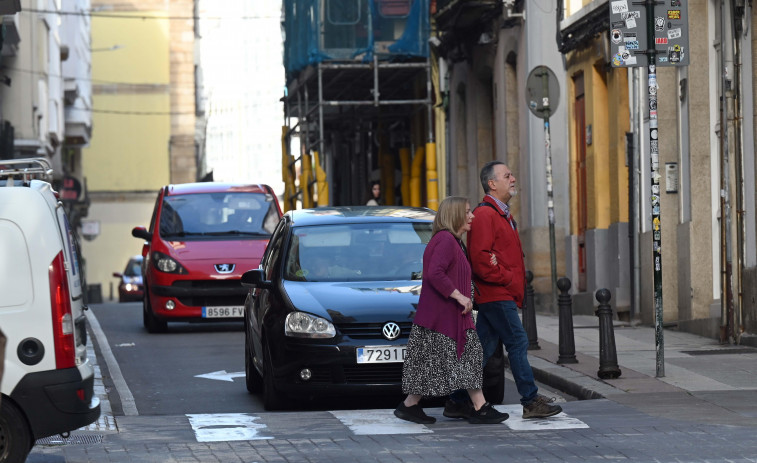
{"x":451,"y":215}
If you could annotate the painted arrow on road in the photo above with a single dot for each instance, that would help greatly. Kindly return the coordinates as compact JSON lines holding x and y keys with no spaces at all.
{"x":221,"y":375}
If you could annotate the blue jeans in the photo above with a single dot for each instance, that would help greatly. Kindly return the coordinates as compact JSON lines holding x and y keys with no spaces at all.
{"x":499,"y":321}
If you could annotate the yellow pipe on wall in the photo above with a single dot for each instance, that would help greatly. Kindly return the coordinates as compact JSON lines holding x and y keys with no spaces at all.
{"x":432,"y":182}
{"x":286,"y":172}
{"x":322,"y":186}
{"x":405,"y":166}
{"x":415,"y":177}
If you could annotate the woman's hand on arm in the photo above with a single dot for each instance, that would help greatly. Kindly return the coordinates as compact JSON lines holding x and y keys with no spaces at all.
{"x":462,"y":300}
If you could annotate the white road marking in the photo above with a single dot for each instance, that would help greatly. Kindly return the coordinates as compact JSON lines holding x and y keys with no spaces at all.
{"x":517,"y":423}
{"x":127,"y":399}
{"x":224,"y":427}
{"x":221,"y":375}
{"x":373,"y":422}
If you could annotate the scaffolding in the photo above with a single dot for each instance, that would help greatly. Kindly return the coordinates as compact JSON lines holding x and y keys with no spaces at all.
{"x":359,"y":100}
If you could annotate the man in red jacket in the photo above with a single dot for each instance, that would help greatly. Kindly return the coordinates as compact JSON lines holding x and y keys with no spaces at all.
{"x":499,"y":274}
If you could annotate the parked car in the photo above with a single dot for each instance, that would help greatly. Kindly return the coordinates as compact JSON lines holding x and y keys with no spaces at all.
{"x":330,"y":309}
{"x":201,"y":238}
{"x":48,"y":382}
{"x":130,"y":286}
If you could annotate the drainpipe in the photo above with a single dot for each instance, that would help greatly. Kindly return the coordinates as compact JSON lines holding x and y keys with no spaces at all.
{"x":726,"y":292}
{"x":739,"y":165}
{"x":432,"y":181}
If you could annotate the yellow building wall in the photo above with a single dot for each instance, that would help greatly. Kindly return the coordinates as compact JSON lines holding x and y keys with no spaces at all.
{"x":131,"y":149}
{"x":131,"y":100}
{"x":606,"y":112}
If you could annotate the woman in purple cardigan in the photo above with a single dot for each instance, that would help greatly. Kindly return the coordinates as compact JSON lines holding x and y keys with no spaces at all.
{"x":443,"y":352}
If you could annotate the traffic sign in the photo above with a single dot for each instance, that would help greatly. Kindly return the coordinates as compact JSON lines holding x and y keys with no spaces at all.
{"x":542,"y":92}
{"x":629,"y":33}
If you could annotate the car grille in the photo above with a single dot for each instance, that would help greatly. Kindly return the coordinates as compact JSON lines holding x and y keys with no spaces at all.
{"x":201,"y":293}
{"x":371,"y":330}
{"x":378,"y":373}
{"x":382,"y":373}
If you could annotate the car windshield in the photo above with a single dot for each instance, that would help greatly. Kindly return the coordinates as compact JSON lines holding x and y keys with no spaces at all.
{"x":357,"y":252}
{"x":133,"y":268}
{"x":214,"y":215}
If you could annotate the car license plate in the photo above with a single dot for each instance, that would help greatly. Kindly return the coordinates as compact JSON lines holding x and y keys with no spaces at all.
{"x":223,"y":312}
{"x":381,"y":354}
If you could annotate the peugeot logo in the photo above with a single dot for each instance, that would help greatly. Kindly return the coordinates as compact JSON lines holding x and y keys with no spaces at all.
{"x":391,"y":331}
{"x":224,"y":268}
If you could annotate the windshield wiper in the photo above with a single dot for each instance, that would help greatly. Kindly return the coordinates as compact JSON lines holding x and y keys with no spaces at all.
{"x":237,"y":232}
{"x":182,"y":234}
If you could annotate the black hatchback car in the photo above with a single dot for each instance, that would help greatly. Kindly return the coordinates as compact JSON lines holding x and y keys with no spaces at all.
{"x":330,"y":309}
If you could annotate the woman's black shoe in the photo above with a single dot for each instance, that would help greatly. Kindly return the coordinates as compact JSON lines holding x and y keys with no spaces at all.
{"x":414,"y":414}
{"x":487,"y":415}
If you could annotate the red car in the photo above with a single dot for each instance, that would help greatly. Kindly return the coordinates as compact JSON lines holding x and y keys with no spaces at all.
{"x":130,"y":287}
{"x":201,"y":239}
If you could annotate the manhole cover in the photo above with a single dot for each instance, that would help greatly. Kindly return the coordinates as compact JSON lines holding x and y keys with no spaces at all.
{"x":720,"y":351}
{"x":74,"y":439}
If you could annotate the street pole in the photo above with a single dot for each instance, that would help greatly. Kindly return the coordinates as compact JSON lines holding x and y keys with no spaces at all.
{"x":654,"y":154}
{"x":550,"y":210}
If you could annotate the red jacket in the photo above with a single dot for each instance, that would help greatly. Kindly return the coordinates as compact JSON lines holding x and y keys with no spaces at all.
{"x":492,"y":233}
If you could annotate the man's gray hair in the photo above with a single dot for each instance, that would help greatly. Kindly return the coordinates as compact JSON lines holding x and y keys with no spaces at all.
{"x":487,"y":173}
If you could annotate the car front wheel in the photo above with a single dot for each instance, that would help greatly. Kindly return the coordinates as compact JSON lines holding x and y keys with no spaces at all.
{"x":149,"y":320}
{"x":272,"y":399}
{"x":253,"y":380}
{"x":15,"y":436}
{"x":494,"y":377}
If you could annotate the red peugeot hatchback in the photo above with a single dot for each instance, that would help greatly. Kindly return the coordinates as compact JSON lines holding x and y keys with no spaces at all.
{"x":201,"y":239}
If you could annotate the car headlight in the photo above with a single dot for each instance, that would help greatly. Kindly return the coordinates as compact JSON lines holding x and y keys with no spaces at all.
{"x":302,"y":325}
{"x":166,"y":264}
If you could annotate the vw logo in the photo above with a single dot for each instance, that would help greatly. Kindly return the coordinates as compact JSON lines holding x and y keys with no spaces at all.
{"x":391,"y":331}
{"x":224,"y":268}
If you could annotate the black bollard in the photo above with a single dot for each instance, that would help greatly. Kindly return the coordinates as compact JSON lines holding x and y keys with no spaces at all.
{"x":567,"y":345}
{"x":608,"y":358}
{"x":529,"y":314}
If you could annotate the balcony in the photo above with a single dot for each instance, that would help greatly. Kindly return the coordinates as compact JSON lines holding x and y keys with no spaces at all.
{"x":465,"y":14}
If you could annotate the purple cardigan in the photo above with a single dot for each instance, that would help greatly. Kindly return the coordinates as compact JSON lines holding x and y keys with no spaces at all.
{"x":445,"y":268}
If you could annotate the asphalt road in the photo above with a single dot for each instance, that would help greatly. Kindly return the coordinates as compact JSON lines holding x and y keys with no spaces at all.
{"x":163,"y":371}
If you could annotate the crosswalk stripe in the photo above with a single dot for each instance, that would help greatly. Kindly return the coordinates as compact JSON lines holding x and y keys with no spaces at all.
{"x":224,"y":427}
{"x":372,"y":422}
{"x":517,"y":423}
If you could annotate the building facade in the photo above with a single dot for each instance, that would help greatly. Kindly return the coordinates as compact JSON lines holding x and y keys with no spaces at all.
{"x":144,"y":119}
{"x":706,"y":154}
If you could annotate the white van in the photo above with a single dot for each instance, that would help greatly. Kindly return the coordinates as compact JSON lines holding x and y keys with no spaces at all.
{"x":47,"y":385}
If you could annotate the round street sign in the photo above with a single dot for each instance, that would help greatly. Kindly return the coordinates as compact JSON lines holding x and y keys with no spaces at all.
{"x":542,"y":92}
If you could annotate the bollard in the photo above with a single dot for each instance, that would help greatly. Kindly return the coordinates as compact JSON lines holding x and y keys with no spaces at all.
{"x":529,"y":314}
{"x":608,"y":358}
{"x":567,"y":345}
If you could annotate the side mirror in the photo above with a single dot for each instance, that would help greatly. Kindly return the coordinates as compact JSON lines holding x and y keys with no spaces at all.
{"x":255,"y":279}
{"x":117,"y":275}
{"x":141,"y":232}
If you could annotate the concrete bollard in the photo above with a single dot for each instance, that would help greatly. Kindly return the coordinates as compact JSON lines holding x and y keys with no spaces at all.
{"x":529,"y":314}
{"x":567,"y":345}
{"x":608,"y":357}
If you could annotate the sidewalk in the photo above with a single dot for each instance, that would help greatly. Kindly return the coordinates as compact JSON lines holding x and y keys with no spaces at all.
{"x":703,"y":382}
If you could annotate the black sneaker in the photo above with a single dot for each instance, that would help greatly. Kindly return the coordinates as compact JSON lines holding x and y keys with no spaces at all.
{"x":454,"y":409}
{"x":487,"y":415}
{"x":541,"y":407}
{"x":414,"y":414}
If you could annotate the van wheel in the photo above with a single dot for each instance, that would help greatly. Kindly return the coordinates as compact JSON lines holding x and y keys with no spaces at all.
{"x":272,"y":399}
{"x":15,"y":437}
{"x":151,"y":322}
{"x":252,"y":378}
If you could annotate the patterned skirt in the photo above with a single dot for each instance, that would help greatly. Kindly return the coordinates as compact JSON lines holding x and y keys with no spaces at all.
{"x":432,"y":368}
